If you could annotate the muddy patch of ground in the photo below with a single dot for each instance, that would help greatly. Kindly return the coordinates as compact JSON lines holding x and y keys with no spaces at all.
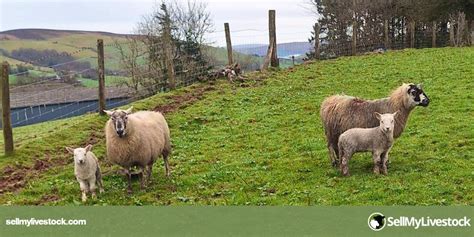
{"x":185,"y":100}
{"x":14,"y":177}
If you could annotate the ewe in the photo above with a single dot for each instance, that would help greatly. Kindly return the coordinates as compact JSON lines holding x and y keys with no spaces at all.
{"x":379,"y":140}
{"x":137,"y":140}
{"x":87,"y":170}
{"x":340,"y":113}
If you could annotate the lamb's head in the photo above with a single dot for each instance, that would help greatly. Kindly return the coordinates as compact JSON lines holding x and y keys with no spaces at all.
{"x":387,"y":121}
{"x":119,"y":120}
{"x":79,"y":154}
{"x":416,"y":96}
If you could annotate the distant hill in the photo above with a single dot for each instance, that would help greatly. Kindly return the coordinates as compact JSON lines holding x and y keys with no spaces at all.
{"x":285,"y":50}
{"x":82,"y":45}
{"x":45,"y":34}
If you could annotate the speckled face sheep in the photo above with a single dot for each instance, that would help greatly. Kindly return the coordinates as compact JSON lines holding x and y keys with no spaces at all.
{"x":136,"y":140}
{"x":87,"y":171}
{"x":378,"y":140}
{"x":340,"y":113}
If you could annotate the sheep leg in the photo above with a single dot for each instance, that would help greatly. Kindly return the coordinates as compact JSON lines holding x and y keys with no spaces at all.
{"x":384,"y":157}
{"x":149,"y":172}
{"x":84,"y":190}
{"x":98,"y":177}
{"x":167,"y":165}
{"x":128,"y":172}
{"x":144,"y":177}
{"x":345,"y":164}
{"x":332,"y":155}
{"x":92,"y":186}
{"x":377,"y":162}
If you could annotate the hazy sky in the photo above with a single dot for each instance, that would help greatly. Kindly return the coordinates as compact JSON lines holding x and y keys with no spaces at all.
{"x":294,"y":22}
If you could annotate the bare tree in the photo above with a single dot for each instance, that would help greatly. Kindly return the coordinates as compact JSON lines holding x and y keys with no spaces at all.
{"x":168,"y":44}
{"x":192,"y":20}
{"x":130,"y":54}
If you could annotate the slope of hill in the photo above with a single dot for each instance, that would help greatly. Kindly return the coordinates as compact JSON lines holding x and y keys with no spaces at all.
{"x":45,"y":34}
{"x":262,"y":143}
{"x":81,"y":44}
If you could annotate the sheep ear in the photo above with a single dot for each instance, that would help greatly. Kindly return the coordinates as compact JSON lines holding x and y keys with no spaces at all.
{"x":129,"y":110}
{"x":88,"y":148}
{"x":108,"y":112}
{"x":396,"y":113}
{"x":70,"y":150}
{"x":378,"y":116}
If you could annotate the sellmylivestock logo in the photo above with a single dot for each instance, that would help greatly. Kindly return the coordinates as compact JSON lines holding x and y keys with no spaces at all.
{"x":377,"y":221}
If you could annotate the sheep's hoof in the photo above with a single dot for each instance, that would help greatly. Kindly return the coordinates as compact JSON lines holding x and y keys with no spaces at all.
{"x":129,"y":191}
{"x":84,"y":198}
{"x":335,"y":163}
{"x":376,"y":171}
{"x":101,"y":190}
{"x":94,"y":196}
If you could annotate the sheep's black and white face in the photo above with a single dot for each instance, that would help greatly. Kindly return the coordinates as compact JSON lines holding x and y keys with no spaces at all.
{"x":417,"y":96}
{"x":120,"y":119}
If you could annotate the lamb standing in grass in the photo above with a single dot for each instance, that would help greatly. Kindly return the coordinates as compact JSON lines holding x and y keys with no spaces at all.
{"x":87,"y":170}
{"x":137,"y":140}
{"x":341,"y":113}
{"x":379,"y":140}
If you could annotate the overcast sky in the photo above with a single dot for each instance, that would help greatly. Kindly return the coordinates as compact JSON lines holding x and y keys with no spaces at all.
{"x":294,"y":21}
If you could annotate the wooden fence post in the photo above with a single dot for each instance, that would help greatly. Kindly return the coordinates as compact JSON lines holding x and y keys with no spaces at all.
{"x":387,"y":36}
{"x":354,"y":37}
{"x":433,"y":34}
{"x":101,"y":75}
{"x":272,"y":30}
{"x":6,"y":117}
{"x":412,"y":34}
{"x":317,"y":50}
{"x":229,"y":44}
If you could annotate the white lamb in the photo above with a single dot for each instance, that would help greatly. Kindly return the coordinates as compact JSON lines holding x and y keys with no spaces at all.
{"x":87,"y":170}
{"x":378,"y":140}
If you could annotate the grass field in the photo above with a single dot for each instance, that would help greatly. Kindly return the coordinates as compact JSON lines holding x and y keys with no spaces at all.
{"x":109,"y":81}
{"x":263,"y":144}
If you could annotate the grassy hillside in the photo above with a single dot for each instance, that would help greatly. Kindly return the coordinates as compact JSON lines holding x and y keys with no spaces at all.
{"x":72,"y":41}
{"x":263,"y":143}
{"x":62,"y":41}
